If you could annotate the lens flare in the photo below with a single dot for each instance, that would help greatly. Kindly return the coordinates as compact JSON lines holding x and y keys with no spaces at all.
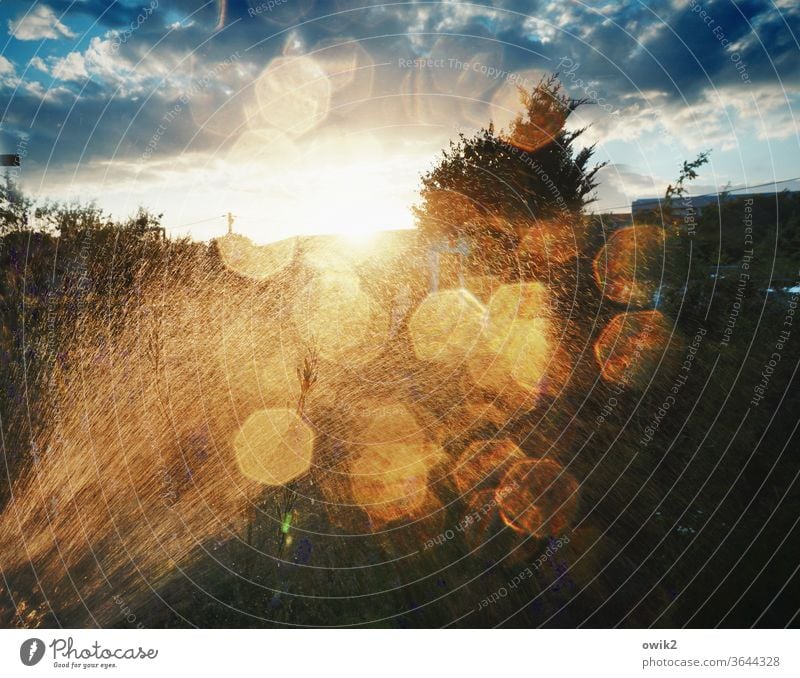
{"x":630,"y":265}
{"x":514,"y":304}
{"x":513,"y":363}
{"x":294,"y":94}
{"x":389,"y":477}
{"x":341,"y":319}
{"x":630,"y":347}
{"x":538,"y":497}
{"x":483,"y":463}
{"x":482,"y":287}
{"x":516,"y":351}
{"x":447,"y":325}
{"x":274,"y":447}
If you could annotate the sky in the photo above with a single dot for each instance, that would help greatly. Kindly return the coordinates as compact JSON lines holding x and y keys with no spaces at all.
{"x":314,"y":117}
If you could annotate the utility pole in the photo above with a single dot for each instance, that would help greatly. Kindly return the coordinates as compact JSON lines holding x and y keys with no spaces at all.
{"x":230,"y":223}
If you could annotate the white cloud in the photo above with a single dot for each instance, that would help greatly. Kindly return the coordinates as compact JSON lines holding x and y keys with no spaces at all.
{"x":38,"y":63}
{"x":39,"y":24}
{"x":6,"y":67}
{"x":71,"y":67}
{"x":720,"y":118}
{"x":620,"y":184}
{"x":100,"y":59}
{"x":8,"y":74}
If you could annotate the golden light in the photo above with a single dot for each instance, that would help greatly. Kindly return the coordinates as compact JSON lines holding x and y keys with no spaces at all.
{"x":447,"y":325}
{"x":630,"y":347}
{"x":389,"y":477}
{"x":258,"y":366}
{"x":538,"y":497}
{"x":514,"y":366}
{"x":274,"y":447}
{"x":339,"y":318}
{"x":482,"y":286}
{"x":515,"y":354}
{"x":517,"y":303}
{"x":258,"y":262}
{"x":629,"y":266}
{"x":309,"y":184}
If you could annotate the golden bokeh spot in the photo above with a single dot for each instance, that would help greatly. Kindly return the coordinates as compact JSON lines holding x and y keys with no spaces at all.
{"x":518,"y":302}
{"x":630,"y":347}
{"x":520,"y":351}
{"x":294,"y":94}
{"x":389,"y":476}
{"x":392,"y":423}
{"x":337,"y":316}
{"x":258,"y":262}
{"x":274,"y":447}
{"x":529,"y":351}
{"x":538,"y":497}
{"x":514,"y":355}
{"x":447,"y":326}
{"x":483,"y":463}
{"x":629,"y":266}
{"x":390,"y":481}
{"x":493,"y":373}
{"x":350,"y":69}
{"x":482,"y":286}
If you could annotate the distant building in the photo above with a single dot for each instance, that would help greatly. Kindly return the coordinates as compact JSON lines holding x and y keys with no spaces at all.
{"x":680,"y":206}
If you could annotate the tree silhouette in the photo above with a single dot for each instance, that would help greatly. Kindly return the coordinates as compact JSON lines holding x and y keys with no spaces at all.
{"x":14,"y":206}
{"x":499,"y":184}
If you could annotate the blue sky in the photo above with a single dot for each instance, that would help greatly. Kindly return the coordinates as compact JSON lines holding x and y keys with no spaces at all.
{"x":303,"y":116}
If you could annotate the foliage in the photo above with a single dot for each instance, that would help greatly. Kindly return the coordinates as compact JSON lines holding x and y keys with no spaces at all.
{"x":688,"y":173}
{"x":501,"y":183}
{"x":15,"y":207}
